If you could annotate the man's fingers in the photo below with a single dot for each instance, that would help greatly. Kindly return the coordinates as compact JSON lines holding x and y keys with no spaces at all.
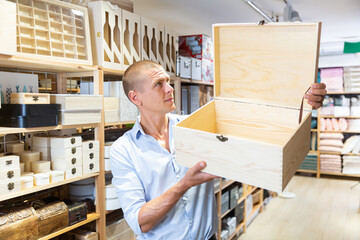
{"x":317,"y":91}
{"x":318,"y":86}
{"x":199,"y":166}
{"x":314,"y":98}
{"x":314,"y":104}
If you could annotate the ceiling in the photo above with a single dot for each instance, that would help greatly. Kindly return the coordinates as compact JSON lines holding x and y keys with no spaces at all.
{"x":340,"y":19}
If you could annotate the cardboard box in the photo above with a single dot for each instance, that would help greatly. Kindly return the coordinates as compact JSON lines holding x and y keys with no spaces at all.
{"x":251,"y":132}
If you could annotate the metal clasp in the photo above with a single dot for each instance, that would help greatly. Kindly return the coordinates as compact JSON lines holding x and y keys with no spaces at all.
{"x":222,"y":138}
{"x":35,"y":98}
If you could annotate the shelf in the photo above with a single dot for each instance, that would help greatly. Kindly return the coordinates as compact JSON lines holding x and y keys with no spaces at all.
{"x":43,"y":65}
{"x":347,"y":131}
{"x":313,"y":151}
{"x":227,"y":184}
{"x":306,"y":171}
{"x":108,"y":71}
{"x":238,"y":228}
{"x":334,"y":93}
{"x":313,"y":130}
{"x":255,"y":208}
{"x":90,"y":217}
{"x":331,"y":116}
{"x":119,"y":123}
{"x":4,"y":130}
{"x":340,"y":174}
{"x":339,"y":153}
{"x":44,"y":187}
{"x":196,"y":82}
{"x":252,"y":190}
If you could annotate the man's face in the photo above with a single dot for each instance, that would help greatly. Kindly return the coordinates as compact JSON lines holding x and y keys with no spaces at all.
{"x":157,"y":95}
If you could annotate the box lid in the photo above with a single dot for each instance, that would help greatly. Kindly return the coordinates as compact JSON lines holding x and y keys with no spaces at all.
{"x":274,"y":63}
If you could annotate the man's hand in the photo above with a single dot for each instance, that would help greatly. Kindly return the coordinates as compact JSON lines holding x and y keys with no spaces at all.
{"x":194,"y":176}
{"x":316,"y":94}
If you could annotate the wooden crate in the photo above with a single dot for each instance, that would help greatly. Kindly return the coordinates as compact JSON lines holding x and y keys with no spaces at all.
{"x":250,"y":132}
{"x":53,"y":30}
{"x":106,"y":34}
{"x":30,"y":98}
{"x":132,"y":38}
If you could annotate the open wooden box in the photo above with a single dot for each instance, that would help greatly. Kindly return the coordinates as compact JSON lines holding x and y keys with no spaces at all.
{"x":250,"y":132}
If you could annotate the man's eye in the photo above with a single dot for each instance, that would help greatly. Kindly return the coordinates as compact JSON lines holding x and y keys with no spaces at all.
{"x":158,"y":84}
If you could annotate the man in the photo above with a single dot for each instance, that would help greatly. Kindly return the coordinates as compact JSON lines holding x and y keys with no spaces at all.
{"x":160,"y":199}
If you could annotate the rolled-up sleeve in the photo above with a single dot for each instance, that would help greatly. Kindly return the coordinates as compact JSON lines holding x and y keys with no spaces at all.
{"x":129,"y":187}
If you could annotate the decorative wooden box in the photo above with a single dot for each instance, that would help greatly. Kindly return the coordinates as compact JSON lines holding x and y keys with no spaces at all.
{"x":52,"y":217}
{"x":65,"y":164}
{"x":53,"y":30}
{"x":19,"y":224}
{"x":77,"y":212}
{"x":251,"y":132}
{"x":63,"y":142}
{"x":40,"y":166}
{"x":73,"y":172}
{"x":91,"y":157}
{"x":56,"y":176}
{"x":9,"y":162}
{"x":106,"y":34}
{"x":30,"y":98}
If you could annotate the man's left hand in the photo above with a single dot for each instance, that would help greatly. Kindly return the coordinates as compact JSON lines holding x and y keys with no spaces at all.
{"x":316,"y":94}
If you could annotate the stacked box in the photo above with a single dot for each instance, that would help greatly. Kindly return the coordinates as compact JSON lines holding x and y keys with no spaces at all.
{"x":9,"y":174}
{"x":90,"y":156}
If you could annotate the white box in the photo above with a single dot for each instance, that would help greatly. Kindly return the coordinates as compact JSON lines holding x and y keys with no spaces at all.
{"x":91,"y":167}
{"x":195,"y":69}
{"x":92,"y":146}
{"x":66,"y":142}
{"x":74,"y":152}
{"x":41,"y":141}
{"x":40,"y":166}
{"x":41,"y":179}
{"x":26,"y":182}
{"x":65,"y":164}
{"x":71,"y":102}
{"x":9,"y":162}
{"x":112,"y":116}
{"x":110,"y":191}
{"x":10,"y":187}
{"x":56,"y":176}
{"x":112,"y":204}
{"x":80,"y":117}
{"x":111,"y":103}
{"x":73,"y":172}
{"x":15,"y":147}
{"x":11,"y":175}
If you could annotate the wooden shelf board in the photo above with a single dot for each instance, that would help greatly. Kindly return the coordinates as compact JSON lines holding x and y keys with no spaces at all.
{"x":332,"y":116}
{"x":338,"y":153}
{"x":90,"y":217}
{"x":306,"y":171}
{"x":330,"y":93}
{"x":5,"y":130}
{"x":314,"y":130}
{"x":340,"y":174}
{"x":252,"y":190}
{"x":44,"y":187}
{"x":347,"y":131}
{"x":255,"y":208}
{"x":42,"y":65}
{"x":241,"y":199}
{"x":196,"y":82}
{"x":237,"y":230}
{"x":226,"y":184}
{"x":313,"y":151}
{"x":108,"y":71}
{"x":119,"y":123}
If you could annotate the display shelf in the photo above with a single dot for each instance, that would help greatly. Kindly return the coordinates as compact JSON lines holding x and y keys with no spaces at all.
{"x":346,"y":131}
{"x":313,"y":151}
{"x":241,"y":199}
{"x":183,"y":80}
{"x":237,"y":230}
{"x":90,"y":217}
{"x":255,"y":208}
{"x":30,"y":63}
{"x":252,"y":190}
{"x":119,"y":123}
{"x":226,"y":184}
{"x":313,"y":130}
{"x":306,"y":171}
{"x":339,"y":153}
{"x":335,"y":93}
{"x":340,"y":174}
{"x":108,"y":71}
{"x":44,"y":187}
{"x":331,"y":116}
{"x":5,"y":130}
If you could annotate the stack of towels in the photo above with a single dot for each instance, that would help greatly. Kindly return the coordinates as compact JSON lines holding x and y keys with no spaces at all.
{"x":331,"y":142}
{"x":351,"y":164}
{"x":330,"y":163}
{"x":333,"y":124}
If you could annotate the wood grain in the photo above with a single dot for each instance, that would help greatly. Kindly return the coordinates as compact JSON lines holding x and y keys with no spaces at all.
{"x":8,"y":28}
{"x":274,"y":62}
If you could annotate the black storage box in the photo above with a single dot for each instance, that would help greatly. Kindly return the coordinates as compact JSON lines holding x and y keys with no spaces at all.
{"x":29,"y":115}
{"x":77,"y":212}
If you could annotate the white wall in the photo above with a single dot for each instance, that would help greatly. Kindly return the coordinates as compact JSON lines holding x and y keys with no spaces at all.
{"x":341,"y":18}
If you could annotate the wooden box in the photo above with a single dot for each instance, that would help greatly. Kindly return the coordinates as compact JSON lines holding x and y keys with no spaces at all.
{"x":41,"y":179}
{"x":73,"y":172}
{"x":112,"y":116}
{"x":30,"y":98}
{"x":15,"y":147}
{"x":77,"y":102}
{"x":90,"y":146}
{"x":73,"y":118}
{"x":74,"y":152}
{"x":56,"y":176}
{"x":251,"y":132}
{"x":65,"y":164}
{"x":19,"y":224}
{"x":45,"y":152}
{"x":91,"y":167}
{"x":81,"y":234}
{"x":26,"y":182}
{"x":106,"y":34}
{"x":77,"y":212}
{"x":9,"y":162}
{"x":111,"y":103}
{"x":52,"y":217}
{"x":40,"y":166}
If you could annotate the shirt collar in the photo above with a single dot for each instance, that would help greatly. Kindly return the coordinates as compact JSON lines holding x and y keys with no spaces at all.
{"x":137,"y":129}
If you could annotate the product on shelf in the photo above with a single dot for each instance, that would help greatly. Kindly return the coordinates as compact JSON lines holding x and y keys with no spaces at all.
{"x":9,"y":174}
{"x":26,"y":182}
{"x":310,"y":162}
{"x":111,"y":200}
{"x":351,"y":144}
{"x":19,"y":223}
{"x":352,"y":79}
{"x":80,"y":234}
{"x":56,"y":176}
{"x":82,"y":189}
{"x":330,"y":163}
{"x":247,"y":118}
{"x":183,"y":66}
{"x":30,"y":98}
{"x":119,"y":230}
{"x":28,"y":157}
{"x":15,"y":148}
{"x":42,"y":166}
{"x":52,"y":217}
{"x":333,"y":78}
{"x":225,"y":202}
{"x":91,"y":160}
{"x":351,"y":165}
{"x":77,"y":212}
{"x":41,"y":179}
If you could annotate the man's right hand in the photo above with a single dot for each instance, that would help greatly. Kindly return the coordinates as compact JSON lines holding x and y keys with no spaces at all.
{"x":194,"y":176}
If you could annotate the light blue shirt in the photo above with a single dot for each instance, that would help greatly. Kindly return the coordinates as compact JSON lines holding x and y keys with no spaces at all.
{"x":143,"y":170}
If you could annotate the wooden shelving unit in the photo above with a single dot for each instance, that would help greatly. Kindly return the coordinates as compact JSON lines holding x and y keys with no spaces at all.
{"x":184,"y":80}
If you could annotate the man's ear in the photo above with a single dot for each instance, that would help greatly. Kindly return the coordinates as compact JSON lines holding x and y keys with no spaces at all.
{"x":135,"y":98}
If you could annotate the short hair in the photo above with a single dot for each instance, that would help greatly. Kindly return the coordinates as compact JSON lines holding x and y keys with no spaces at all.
{"x":132,"y":79}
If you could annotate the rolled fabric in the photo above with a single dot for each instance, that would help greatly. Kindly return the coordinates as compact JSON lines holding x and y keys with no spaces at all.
{"x":335,"y":124}
{"x":328,"y":124}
